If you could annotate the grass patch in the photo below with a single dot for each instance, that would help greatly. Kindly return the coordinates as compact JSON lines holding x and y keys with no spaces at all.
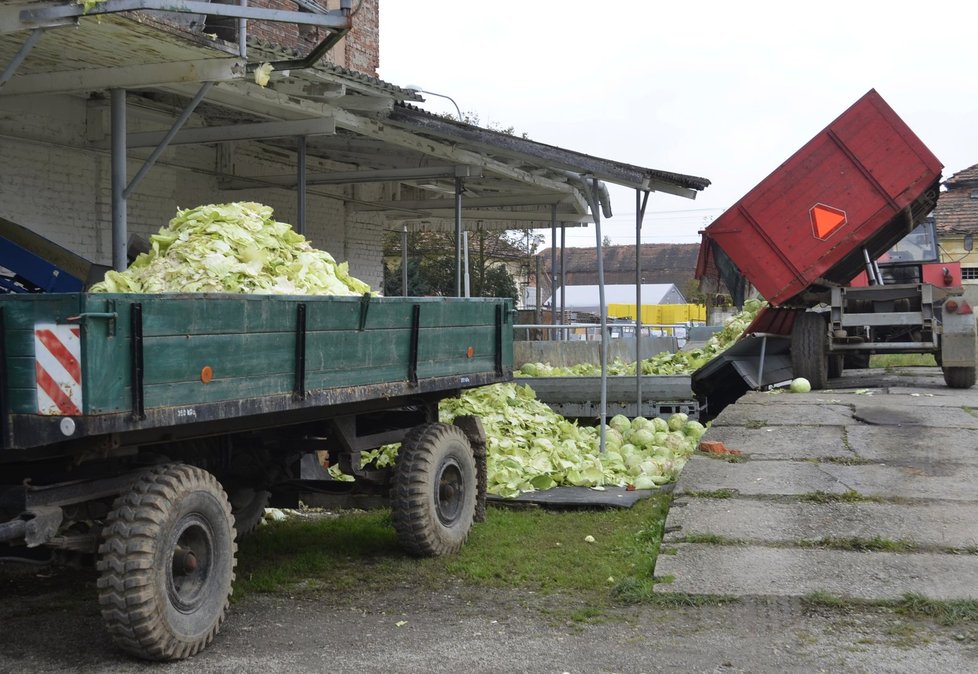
{"x":844,"y":460}
{"x":945,"y":612}
{"x":892,"y":360}
{"x":875,"y":544}
{"x":710,"y":539}
{"x":845,"y":497}
{"x":716,"y":493}
{"x":754,"y":424}
{"x":683,"y":600}
{"x":729,"y":458}
{"x":538,"y":550}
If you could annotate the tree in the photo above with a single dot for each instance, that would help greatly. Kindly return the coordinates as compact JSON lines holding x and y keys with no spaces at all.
{"x":431,"y":262}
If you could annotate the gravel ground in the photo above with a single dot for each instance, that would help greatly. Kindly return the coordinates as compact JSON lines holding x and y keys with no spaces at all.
{"x":52,"y":624}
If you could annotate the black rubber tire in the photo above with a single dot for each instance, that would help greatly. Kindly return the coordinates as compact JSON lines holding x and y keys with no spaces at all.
{"x":959,"y":377}
{"x":434,"y":493}
{"x":837,"y":366}
{"x":174,"y":513}
{"x":809,"y":349}
{"x":248,"y":507}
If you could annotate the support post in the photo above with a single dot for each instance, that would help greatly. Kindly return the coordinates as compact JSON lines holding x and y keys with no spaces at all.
{"x":404,"y":261}
{"x":603,"y":310}
{"x":553,"y":270}
{"x":119,"y":215}
{"x":640,"y":204}
{"x":563,"y":282}
{"x":458,"y":236}
{"x":21,"y":54}
{"x":243,"y":33}
{"x":300,"y":224}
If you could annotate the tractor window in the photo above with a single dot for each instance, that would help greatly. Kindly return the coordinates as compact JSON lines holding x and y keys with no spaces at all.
{"x":918,"y":246}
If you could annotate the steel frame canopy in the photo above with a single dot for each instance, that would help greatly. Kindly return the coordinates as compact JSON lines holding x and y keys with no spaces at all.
{"x":495,"y":179}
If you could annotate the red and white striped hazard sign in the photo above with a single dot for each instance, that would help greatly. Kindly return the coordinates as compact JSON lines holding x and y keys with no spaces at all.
{"x":57,"y":363}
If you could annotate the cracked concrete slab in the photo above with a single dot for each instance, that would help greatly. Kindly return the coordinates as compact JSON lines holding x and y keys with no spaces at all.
{"x":778,"y":442}
{"x":929,"y":525}
{"x":773,"y":413}
{"x":934,"y":445}
{"x":757,"y":478}
{"x":752,"y":570}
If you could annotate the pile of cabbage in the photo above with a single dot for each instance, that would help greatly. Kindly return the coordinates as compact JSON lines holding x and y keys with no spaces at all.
{"x":232,"y":248}
{"x":680,"y":362}
{"x":532,"y":448}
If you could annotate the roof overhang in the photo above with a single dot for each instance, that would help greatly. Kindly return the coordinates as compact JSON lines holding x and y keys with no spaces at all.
{"x":363,"y":124}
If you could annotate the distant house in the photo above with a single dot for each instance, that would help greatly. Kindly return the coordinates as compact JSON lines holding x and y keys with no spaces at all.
{"x":662,"y":263}
{"x":956,"y":219}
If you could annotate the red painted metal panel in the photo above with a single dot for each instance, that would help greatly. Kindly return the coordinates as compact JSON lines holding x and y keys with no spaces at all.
{"x":859,"y":182}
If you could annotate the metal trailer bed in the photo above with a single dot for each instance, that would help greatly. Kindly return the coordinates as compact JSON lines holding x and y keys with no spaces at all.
{"x":580,"y":397}
{"x":151,"y":430}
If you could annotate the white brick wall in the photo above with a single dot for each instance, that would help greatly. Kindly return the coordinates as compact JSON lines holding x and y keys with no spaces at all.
{"x":53,"y":184}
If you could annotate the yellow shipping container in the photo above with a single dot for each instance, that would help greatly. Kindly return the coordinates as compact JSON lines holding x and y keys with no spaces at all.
{"x":661,"y":314}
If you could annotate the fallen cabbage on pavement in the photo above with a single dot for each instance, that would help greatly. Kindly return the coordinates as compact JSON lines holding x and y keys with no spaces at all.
{"x":531,"y":447}
{"x":232,"y":248}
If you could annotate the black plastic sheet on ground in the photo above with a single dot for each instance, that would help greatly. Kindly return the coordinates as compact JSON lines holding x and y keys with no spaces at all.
{"x":581,"y":497}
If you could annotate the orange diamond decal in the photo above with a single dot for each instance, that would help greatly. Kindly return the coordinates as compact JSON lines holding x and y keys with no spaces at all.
{"x":826,"y":220}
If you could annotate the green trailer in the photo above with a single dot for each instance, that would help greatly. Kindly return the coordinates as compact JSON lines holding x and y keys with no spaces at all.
{"x":151,"y":431}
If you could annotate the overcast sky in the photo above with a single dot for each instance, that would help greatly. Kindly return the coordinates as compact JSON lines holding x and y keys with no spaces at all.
{"x":723,"y":90}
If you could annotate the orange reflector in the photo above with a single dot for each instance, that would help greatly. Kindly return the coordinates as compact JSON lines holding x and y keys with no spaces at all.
{"x":951,"y":306}
{"x":826,"y":220}
{"x":206,"y":374}
{"x":469,"y":352}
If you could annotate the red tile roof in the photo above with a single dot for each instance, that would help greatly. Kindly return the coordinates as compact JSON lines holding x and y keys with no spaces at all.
{"x":957,"y":208}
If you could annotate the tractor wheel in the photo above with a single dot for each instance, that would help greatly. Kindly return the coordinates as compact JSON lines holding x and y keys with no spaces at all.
{"x":809,"y":349}
{"x":959,"y":377}
{"x":435,"y":488}
{"x":166,"y":563}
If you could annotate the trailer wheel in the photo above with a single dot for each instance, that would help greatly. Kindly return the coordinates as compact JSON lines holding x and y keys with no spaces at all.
{"x":434,"y":490}
{"x":248,"y":507}
{"x":959,"y":377}
{"x":809,"y":349}
{"x":167,"y":563}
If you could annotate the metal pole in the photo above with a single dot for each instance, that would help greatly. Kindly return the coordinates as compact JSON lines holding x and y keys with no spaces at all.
{"x":640,"y":205}
{"x":404,"y":261}
{"x":563,"y":281}
{"x":21,"y":54}
{"x":596,"y":212}
{"x":553,"y":270}
{"x":243,"y":33}
{"x":458,"y":237}
{"x":465,"y":266}
{"x":174,"y":130}
{"x":300,"y":225}
{"x":119,"y":224}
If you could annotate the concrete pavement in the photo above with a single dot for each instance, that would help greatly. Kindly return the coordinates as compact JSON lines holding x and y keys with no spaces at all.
{"x":868,"y":490}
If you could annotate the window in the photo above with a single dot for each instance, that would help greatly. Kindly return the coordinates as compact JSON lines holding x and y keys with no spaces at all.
{"x":974,"y":194}
{"x":969,"y":273}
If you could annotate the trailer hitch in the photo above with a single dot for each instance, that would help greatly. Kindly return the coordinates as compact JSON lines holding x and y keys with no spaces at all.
{"x":36,"y":526}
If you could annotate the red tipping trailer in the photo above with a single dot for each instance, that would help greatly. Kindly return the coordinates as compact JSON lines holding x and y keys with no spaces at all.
{"x":862,"y":182}
{"x":828,"y":213}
